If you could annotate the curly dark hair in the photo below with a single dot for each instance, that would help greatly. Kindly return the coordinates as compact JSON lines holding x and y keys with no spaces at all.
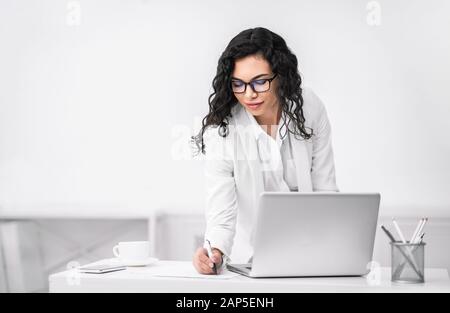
{"x":283,"y":62}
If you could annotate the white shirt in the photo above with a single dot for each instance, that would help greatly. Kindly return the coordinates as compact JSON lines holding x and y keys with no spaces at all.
{"x":275,"y":155}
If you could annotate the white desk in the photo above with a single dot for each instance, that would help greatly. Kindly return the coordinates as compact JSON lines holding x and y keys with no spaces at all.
{"x":131,"y":280}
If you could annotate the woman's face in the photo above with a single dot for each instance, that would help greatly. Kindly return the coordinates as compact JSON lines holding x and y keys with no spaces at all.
{"x":254,"y":68}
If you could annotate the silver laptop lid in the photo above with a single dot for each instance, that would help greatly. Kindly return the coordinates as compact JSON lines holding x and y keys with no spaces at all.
{"x":314,"y":234}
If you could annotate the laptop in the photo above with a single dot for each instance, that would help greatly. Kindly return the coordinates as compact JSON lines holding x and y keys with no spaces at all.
{"x":313,"y":234}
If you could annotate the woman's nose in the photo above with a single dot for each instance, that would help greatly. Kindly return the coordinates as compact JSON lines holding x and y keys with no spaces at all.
{"x":249,"y":93}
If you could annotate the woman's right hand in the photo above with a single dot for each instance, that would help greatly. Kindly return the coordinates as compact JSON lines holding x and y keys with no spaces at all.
{"x":203,"y":264}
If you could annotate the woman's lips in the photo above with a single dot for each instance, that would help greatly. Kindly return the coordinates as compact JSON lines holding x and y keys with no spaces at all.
{"x":254,"y":105}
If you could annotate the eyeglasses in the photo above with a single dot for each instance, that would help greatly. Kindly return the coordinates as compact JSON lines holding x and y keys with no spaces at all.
{"x":257,"y":85}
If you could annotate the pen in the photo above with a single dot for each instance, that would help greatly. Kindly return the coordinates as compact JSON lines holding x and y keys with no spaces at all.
{"x":399,"y":232}
{"x":388,"y":233}
{"x":420,"y":229}
{"x":421,"y":238}
{"x":209,"y":249}
{"x":416,"y":232}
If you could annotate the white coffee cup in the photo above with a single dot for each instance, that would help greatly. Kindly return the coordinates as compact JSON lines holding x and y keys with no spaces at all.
{"x":132,"y":251}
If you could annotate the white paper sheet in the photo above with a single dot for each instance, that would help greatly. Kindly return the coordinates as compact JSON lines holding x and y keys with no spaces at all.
{"x":178,"y":269}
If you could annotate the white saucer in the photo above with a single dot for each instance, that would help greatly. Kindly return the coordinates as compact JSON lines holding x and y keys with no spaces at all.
{"x":144,"y":262}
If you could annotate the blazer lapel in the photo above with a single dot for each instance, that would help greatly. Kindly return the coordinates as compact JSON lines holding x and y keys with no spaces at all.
{"x":302,"y":163}
{"x":250,"y":151}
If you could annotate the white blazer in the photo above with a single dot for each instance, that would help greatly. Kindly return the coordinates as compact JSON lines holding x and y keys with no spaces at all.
{"x":234,"y":179}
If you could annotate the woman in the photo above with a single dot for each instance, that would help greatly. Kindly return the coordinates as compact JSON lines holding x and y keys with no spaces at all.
{"x":263,"y":132}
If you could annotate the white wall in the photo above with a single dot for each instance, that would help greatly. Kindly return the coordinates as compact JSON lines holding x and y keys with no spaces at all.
{"x":93,"y":106}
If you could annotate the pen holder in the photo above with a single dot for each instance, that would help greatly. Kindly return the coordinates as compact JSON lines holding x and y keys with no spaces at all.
{"x":408,"y":262}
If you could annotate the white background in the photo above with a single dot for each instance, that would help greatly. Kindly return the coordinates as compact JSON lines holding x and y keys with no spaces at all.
{"x":97,"y":98}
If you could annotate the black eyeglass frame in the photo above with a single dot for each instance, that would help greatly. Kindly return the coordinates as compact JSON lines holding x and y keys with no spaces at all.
{"x":251,"y":84}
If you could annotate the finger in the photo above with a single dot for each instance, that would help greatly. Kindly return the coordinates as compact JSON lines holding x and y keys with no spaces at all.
{"x":202,"y":263}
{"x":208,"y":263}
{"x":203,"y":255}
{"x":200,"y":266}
{"x":196,"y":260}
{"x":205,"y":269}
{"x":216,"y":257}
{"x":199,"y":254}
